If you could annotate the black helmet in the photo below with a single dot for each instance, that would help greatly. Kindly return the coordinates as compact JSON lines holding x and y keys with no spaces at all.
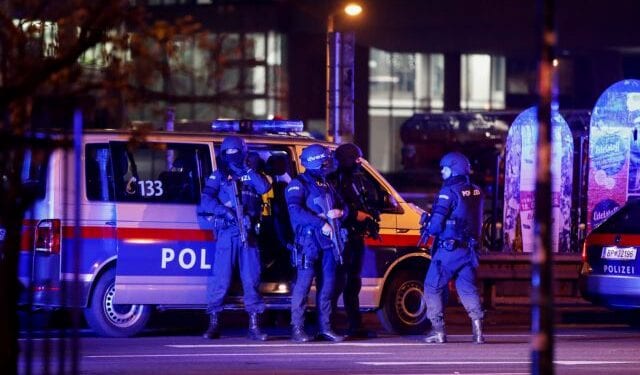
{"x":346,"y":154}
{"x":314,"y":156}
{"x":457,"y":162}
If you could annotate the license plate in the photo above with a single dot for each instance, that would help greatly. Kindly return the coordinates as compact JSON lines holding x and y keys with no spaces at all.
{"x":620,"y":253}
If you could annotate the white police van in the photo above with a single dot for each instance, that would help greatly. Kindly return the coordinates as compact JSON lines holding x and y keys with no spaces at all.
{"x":142,"y":245}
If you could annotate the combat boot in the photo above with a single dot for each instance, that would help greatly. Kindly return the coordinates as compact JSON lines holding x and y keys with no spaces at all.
{"x":329,"y":335}
{"x":299,"y":335}
{"x":254,"y":328}
{"x":476,"y":326}
{"x":436,"y":336}
{"x":213,"y":331}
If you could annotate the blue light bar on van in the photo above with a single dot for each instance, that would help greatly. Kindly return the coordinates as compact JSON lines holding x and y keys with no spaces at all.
{"x":257,"y":126}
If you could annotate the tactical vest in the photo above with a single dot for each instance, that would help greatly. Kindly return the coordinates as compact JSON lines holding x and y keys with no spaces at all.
{"x":465,"y":220}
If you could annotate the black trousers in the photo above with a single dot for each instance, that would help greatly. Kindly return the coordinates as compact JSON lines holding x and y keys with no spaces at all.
{"x":349,"y":280}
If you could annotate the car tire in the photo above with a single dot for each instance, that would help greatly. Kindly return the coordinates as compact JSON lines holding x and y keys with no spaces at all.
{"x":403,"y":309}
{"x":112,"y":320}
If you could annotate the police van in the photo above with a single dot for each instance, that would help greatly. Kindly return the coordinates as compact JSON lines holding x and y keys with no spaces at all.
{"x":142,"y":244}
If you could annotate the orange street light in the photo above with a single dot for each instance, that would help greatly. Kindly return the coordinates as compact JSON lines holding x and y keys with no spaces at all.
{"x":340,"y":56}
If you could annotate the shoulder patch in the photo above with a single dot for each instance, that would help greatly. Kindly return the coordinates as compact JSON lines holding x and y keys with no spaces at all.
{"x":212,"y":176}
{"x":294,"y":187}
{"x":442,"y":196}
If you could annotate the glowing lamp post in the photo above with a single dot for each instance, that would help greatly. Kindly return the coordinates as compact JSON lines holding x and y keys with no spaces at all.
{"x":340,"y":63}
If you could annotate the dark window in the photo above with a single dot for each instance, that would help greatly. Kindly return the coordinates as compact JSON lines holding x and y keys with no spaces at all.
{"x":160,"y":172}
{"x":379,"y":197}
{"x":34,"y":172}
{"x":98,"y":172}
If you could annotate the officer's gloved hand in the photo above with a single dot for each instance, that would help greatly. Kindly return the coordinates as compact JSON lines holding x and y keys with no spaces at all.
{"x":334,"y":213}
{"x":326,"y":230}
{"x":362,"y":216}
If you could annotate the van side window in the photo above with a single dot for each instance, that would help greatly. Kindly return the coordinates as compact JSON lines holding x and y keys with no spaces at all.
{"x":34,"y":172}
{"x":160,"y":172}
{"x":98,"y":172}
{"x":380,"y":198}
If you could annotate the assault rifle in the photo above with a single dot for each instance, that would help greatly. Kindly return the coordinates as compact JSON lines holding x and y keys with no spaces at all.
{"x":371,"y":224}
{"x":339,"y":234}
{"x":239,"y":213}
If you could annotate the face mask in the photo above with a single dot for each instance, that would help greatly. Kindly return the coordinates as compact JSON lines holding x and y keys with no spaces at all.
{"x":234,"y":160}
{"x":349,"y":167}
{"x":317,"y":173}
{"x":328,"y":166}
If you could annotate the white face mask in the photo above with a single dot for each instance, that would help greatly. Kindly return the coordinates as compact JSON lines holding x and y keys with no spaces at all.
{"x":445,"y":172}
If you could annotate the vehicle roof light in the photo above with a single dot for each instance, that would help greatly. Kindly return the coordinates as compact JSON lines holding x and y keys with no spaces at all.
{"x":257,"y":126}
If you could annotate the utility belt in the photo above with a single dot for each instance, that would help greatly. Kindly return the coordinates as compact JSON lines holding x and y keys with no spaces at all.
{"x":306,"y":250}
{"x":453,"y":244}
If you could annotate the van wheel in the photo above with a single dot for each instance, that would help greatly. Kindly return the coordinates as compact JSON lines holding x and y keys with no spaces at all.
{"x":109,"y":319}
{"x":403,"y":308}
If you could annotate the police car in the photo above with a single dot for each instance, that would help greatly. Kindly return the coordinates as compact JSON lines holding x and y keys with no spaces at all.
{"x":142,"y":245}
{"x":610,"y":274}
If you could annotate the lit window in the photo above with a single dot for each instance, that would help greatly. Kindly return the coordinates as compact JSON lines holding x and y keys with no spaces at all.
{"x":244,"y":75}
{"x":482,"y":81}
{"x":400,"y":84}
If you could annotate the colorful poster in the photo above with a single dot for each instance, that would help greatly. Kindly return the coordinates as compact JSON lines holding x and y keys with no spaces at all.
{"x":520,"y":182}
{"x":614,"y":151}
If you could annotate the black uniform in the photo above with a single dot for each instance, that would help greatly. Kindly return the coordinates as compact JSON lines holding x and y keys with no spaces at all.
{"x":359,"y":195}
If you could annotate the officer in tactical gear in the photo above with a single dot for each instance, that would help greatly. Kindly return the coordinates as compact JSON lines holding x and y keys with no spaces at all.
{"x":232,"y":194}
{"x":456,"y":220}
{"x":313,"y":204}
{"x":362,"y":201}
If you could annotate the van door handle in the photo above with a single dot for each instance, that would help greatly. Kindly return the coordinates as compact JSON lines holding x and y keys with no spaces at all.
{"x":111,"y":223}
{"x":402,"y":230}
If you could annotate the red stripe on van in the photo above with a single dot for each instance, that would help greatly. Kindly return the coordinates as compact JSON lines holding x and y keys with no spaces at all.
{"x":90,"y":232}
{"x":165,"y":234}
{"x":393,"y":240}
{"x":142,"y":233}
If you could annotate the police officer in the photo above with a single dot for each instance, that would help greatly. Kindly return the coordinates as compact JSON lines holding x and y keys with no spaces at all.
{"x":361,"y":199}
{"x":456,"y":220}
{"x":312,"y":203}
{"x":234,"y":185}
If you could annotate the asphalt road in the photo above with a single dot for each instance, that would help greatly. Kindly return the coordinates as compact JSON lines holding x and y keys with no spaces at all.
{"x":585,"y":347}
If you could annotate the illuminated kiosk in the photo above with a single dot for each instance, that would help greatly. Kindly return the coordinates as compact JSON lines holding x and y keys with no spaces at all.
{"x":520,"y":181}
{"x":614,"y":151}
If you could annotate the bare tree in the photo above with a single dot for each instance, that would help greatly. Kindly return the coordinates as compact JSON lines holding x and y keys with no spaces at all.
{"x":70,"y":50}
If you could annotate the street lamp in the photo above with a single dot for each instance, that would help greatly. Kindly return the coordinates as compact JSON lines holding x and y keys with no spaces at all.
{"x":340,"y":63}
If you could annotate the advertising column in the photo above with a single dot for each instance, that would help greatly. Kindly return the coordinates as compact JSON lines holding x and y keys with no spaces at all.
{"x":520,"y":182}
{"x":614,"y":151}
